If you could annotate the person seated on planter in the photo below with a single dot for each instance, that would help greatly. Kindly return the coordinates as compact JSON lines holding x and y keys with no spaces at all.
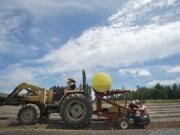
{"x":144,"y":115}
{"x":132,"y":108}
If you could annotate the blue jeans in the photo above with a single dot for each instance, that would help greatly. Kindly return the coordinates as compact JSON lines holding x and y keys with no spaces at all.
{"x":138,"y":118}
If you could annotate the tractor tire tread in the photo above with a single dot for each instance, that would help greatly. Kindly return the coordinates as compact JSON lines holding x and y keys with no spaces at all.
{"x":87,"y":119}
{"x":36,"y":111}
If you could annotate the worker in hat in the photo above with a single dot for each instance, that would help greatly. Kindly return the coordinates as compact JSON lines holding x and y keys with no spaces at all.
{"x":137,"y":102}
{"x":71,"y":83}
{"x":143,"y":112}
{"x":139,"y":113}
{"x":132,"y":108}
{"x":58,"y":91}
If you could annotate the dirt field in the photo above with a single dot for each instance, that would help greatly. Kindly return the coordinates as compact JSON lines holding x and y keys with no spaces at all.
{"x":165,"y":117}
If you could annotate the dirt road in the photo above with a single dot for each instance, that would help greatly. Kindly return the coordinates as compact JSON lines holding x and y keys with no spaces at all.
{"x":164,"y":118}
{"x":92,"y":132}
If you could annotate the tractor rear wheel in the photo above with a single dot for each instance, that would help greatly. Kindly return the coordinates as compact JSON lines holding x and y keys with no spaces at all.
{"x":28,"y":114}
{"x":76,"y":110}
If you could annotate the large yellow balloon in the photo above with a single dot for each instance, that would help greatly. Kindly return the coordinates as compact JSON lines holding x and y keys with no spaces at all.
{"x":101,"y":82}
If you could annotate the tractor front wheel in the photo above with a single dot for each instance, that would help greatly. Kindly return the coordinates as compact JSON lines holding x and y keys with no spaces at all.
{"x":28,"y":114}
{"x":76,"y":110}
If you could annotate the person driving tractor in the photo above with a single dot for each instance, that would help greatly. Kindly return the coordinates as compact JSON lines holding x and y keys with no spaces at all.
{"x":71,"y":83}
{"x":58,"y":91}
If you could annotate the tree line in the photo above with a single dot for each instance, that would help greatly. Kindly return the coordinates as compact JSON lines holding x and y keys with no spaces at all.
{"x":157,"y":92}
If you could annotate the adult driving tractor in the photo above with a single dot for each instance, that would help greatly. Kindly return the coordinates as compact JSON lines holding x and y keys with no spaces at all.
{"x":73,"y":104}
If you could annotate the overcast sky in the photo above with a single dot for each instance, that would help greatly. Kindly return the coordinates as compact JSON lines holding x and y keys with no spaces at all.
{"x":45,"y":41}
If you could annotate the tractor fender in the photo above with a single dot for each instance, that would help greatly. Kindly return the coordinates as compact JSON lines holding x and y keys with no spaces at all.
{"x":69,"y":93}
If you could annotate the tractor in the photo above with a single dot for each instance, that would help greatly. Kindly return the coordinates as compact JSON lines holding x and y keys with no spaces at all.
{"x":74,"y":106}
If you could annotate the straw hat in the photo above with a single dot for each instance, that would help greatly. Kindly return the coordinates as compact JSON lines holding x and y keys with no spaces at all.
{"x":71,"y":79}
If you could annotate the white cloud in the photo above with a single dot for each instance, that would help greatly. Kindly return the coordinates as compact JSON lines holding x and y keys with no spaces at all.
{"x":168,"y":68}
{"x":135,"y":72}
{"x":142,"y":12}
{"x":10,"y":29}
{"x":164,"y":82}
{"x":175,"y":69}
{"x":115,"y":47}
{"x":15,"y":74}
{"x":14,"y":14}
{"x":6,"y":27}
{"x":144,"y":73}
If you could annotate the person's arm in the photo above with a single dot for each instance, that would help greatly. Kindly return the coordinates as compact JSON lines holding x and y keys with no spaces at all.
{"x":142,"y":108}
